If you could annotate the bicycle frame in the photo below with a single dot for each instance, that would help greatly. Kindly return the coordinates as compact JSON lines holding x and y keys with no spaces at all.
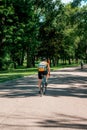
{"x":43,"y":80}
{"x":43,"y":85}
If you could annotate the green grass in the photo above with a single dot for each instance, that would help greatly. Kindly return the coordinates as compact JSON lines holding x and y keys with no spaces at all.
{"x":16,"y":73}
{"x":63,"y":66}
{"x":21,"y":72}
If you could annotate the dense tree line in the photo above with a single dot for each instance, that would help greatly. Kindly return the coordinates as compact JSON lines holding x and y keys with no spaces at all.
{"x":30,"y":29}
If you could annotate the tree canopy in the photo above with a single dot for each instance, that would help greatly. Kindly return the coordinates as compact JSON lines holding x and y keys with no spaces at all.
{"x":30,"y":29}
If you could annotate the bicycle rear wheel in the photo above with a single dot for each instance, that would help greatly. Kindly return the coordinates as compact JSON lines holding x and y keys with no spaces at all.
{"x":42,"y":89}
{"x":45,"y":89}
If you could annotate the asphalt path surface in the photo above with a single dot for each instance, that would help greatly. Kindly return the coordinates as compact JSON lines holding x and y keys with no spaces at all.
{"x":64,"y":107}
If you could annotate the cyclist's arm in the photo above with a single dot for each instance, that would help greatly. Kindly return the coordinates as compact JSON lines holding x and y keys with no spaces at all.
{"x":48,"y":69}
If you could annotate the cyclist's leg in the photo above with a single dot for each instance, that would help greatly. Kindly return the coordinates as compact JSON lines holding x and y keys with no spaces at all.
{"x":46,"y":78}
{"x":45,"y":83}
{"x":39,"y":80}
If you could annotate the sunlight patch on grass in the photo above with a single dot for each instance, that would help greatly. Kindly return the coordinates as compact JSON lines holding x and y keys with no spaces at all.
{"x":14,"y":74}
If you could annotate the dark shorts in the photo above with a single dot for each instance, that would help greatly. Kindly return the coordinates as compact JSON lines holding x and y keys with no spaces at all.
{"x":40,"y":74}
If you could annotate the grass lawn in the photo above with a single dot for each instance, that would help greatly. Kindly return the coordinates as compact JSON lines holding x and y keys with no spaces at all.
{"x":18,"y":73}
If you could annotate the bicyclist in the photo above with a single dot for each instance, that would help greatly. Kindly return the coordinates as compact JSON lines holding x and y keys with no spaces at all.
{"x":43,"y":69}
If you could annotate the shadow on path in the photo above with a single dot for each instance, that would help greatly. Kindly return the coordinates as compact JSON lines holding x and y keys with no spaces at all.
{"x":27,"y":86}
{"x":64,"y":121}
{"x":57,"y":120}
{"x":68,"y":84}
{"x":70,"y":92}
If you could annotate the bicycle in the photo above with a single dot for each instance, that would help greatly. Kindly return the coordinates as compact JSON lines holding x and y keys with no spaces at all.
{"x":43,"y":87}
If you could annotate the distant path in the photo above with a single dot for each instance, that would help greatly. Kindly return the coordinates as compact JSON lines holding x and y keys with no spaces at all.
{"x":63,"y":108}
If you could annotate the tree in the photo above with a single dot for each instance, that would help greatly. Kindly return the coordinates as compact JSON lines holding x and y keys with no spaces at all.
{"x":50,"y":31}
{"x":27,"y":14}
{"x":6,"y":12}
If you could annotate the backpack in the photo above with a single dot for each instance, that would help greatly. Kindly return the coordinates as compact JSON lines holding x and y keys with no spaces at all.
{"x":42,"y":66}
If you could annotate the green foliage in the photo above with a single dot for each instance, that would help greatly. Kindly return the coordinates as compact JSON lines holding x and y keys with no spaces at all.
{"x":31,"y":29}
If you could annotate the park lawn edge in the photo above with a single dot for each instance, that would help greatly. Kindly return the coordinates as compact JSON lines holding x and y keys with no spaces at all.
{"x":20,"y":73}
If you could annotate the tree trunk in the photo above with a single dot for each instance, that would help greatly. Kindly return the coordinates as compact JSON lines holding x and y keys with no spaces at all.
{"x":69,"y":61}
{"x":29,"y":58}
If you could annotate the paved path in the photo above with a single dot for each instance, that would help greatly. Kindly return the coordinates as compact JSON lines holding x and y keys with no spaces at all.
{"x":63,"y":108}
